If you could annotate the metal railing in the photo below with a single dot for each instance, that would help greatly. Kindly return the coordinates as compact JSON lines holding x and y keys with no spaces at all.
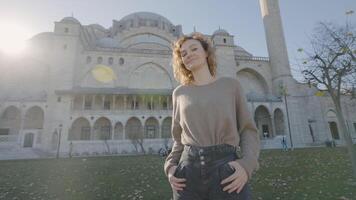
{"x":252,"y":58}
{"x":8,"y":138}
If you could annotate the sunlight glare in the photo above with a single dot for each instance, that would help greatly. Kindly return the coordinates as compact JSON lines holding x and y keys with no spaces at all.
{"x":13,"y":37}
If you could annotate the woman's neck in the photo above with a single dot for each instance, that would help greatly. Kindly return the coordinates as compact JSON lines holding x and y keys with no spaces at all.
{"x":203,"y":76}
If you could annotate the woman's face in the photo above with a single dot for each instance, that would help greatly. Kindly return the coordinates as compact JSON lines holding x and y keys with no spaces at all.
{"x":193,"y":55}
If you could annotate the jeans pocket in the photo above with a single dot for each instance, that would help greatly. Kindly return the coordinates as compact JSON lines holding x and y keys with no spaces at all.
{"x":225,"y":170}
{"x":179,"y":173}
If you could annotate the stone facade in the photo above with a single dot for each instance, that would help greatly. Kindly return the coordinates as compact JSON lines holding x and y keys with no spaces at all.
{"x":49,"y":99}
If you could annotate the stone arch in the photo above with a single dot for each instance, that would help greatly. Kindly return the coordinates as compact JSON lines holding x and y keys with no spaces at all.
{"x":10,"y":121}
{"x":118,"y":131}
{"x":151,"y":128}
{"x":80,"y":129}
{"x":330,"y":113}
{"x":102,"y":129}
{"x":263,"y":122}
{"x":166,"y":127}
{"x":252,"y":82}
{"x":134,"y":129}
{"x":149,"y":45}
{"x":151,"y":76}
{"x":34,"y":118}
{"x":279,"y":122}
{"x":145,"y":37}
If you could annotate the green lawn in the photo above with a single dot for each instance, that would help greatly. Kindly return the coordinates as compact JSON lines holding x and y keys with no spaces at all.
{"x":314,"y":173}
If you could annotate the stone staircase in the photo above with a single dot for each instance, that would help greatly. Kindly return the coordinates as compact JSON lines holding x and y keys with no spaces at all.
{"x":271,"y":143}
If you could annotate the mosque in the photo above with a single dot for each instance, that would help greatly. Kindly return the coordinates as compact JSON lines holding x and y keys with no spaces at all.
{"x":51,"y":100}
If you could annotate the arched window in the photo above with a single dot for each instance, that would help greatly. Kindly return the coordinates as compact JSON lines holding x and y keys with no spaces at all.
{"x":100,"y":60}
{"x":110,"y":60}
{"x":88,"y":59}
{"x":121,"y":61}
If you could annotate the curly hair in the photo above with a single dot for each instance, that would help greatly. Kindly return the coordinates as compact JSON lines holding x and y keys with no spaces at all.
{"x":181,"y":73}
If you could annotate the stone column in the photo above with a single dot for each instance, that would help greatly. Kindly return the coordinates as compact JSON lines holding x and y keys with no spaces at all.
{"x":125,"y":102}
{"x":83,"y":105}
{"x":94,"y":97}
{"x":114,"y":101}
{"x":167,"y":102}
{"x":103,"y":102}
{"x":112,"y":131}
{"x":159,"y":102}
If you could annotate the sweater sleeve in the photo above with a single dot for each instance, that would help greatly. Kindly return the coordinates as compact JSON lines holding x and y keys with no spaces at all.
{"x":176,"y":130}
{"x":249,"y":138}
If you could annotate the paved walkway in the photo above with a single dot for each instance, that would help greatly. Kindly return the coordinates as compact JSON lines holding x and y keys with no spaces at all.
{"x":15,"y":153}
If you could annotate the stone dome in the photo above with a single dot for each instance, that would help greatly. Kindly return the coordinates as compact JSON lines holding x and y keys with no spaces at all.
{"x":145,"y":15}
{"x":222,"y":32}
{"x":71,"y":20}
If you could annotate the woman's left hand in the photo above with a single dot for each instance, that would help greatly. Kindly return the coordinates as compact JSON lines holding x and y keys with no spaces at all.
{"x":237,"y":180}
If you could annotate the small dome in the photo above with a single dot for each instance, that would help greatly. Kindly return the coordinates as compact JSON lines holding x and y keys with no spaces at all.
{"x":107,"y":43}
{"x":222,"y":32}
{"x":71,"y":20}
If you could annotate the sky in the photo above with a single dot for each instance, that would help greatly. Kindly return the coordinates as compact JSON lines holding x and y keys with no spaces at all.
{"x":20,"y":20}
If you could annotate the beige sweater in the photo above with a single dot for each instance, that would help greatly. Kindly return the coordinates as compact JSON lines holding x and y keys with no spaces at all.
{"x":212,"y":114}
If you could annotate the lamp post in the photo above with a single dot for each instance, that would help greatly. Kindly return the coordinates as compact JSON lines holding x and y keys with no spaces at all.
{"x":59,"y":139}
{"x":283,"y":91}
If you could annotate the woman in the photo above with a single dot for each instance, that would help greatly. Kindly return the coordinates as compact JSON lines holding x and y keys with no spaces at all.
{"x":210,"y":122}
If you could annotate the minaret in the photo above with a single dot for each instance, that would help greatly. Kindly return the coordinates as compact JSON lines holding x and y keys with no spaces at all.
{"x":276,"y":45}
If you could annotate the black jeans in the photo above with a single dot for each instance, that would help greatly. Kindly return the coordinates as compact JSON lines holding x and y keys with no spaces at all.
{"x":204,"y":168}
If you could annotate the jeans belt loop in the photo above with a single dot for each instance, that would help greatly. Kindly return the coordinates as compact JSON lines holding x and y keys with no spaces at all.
{"x":238,"y":152}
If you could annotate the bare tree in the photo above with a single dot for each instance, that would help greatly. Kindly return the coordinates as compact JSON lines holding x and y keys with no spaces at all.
{"x":331,"y":66}
{"x":137,"y":139}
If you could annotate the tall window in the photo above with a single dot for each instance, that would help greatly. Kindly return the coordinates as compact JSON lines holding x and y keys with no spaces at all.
{"x":165,"y":105}
{"x":133,"y":105}
{"x":150,"y":106}
{"x":85,"y":133}
{"x":87,"y":104}
{"x":105,"y":133}
{"x":100,"y":60}
{"x":121,"y":61}
{"x":150,"y":131}
{"x":110,"y":60}
{"x":88,"y":59}
{"x":107,"y":105}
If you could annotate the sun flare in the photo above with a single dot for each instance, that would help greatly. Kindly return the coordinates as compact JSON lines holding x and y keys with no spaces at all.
{"x":13,"y":37}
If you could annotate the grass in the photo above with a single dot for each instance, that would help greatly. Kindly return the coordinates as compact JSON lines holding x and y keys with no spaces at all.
{"x":313,"y":173}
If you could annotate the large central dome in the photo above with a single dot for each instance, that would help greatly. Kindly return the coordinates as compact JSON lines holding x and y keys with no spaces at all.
{"x":146,"y":15}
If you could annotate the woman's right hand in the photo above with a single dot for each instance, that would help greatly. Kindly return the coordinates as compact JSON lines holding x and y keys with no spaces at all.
{"x":176,"y":183}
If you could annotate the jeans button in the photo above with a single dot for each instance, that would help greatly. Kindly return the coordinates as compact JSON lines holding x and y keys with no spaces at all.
{"x":202,"y":163}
